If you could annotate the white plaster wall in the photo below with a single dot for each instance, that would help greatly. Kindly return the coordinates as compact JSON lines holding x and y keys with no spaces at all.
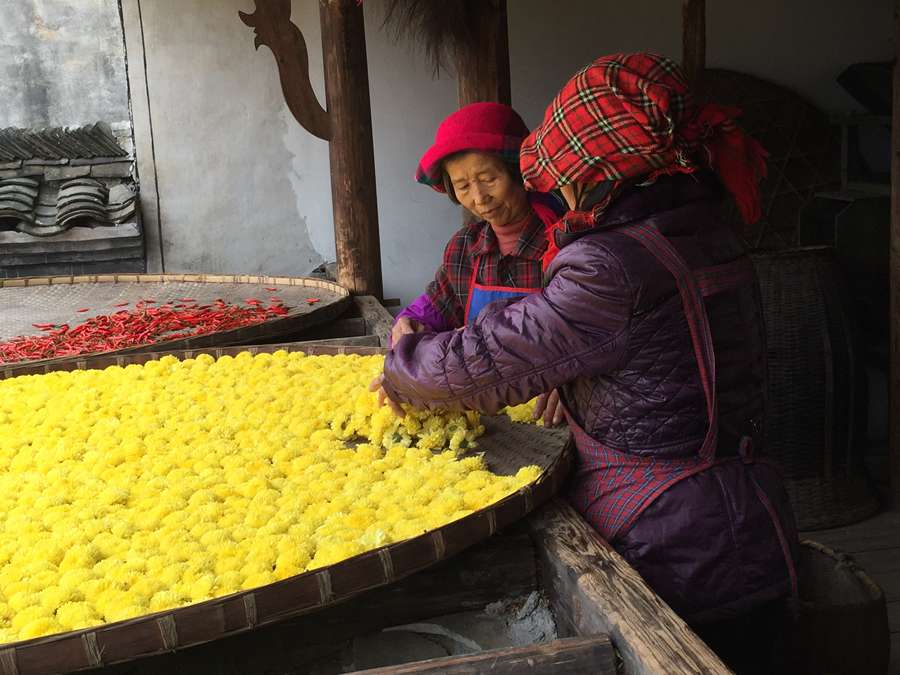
{"x":415,"y":222}
{"x":241,"y":189}
{"x":62,"y":63}
{"x":244,"y":189}
{"x":800,"y":44}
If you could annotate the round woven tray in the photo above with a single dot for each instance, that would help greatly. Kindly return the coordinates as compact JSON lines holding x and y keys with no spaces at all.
{"x":507,"y":446}
{"x":37,"y":300}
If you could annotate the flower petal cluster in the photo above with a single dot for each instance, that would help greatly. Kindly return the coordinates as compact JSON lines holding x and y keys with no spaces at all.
{"x":133,"y":490}
{"x":524,"y":413}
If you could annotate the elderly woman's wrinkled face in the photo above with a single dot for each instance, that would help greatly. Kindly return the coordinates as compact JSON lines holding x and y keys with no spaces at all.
{"x":483,"y":185}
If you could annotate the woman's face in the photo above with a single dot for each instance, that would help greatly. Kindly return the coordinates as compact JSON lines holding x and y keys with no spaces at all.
{"x":483,"y":185}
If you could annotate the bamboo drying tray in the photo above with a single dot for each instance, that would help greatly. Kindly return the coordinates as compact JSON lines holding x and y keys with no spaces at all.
{"x":507,"y":446}
{"x":30,"y":300}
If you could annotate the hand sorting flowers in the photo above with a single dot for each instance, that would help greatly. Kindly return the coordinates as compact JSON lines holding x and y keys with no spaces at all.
{"x":138,"y":489}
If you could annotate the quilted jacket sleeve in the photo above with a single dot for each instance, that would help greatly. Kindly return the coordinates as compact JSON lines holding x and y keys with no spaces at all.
{"x":423,"y":310}
{"x":578,"y":325}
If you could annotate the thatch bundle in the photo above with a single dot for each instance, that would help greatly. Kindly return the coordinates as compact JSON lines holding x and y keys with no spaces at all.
{"x":444,"y":28}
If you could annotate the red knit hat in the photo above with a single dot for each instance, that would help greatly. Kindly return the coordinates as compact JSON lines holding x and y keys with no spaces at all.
{"x":480,"y":127}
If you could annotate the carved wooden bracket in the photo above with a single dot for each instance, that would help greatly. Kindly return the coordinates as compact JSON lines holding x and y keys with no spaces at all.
{"x":273,"y":27}
{"x":347,"y":125}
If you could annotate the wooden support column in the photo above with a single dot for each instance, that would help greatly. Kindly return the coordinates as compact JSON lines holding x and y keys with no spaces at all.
{"x":354,"y":202}
{"x":693,"y":40}
{"x":483,"y":72}
{"x":894,"y":390}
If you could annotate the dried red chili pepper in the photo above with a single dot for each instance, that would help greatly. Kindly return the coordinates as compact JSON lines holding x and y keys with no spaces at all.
{"x":143,"y":325}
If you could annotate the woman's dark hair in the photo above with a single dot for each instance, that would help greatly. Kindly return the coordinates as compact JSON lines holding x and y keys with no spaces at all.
{"x":512,"y":169}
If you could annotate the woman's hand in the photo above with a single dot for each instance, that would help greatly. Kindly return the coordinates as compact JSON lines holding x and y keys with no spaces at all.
{"x":383,"y":398}
{"x":405,"y":326}
{"x":550,"y":407}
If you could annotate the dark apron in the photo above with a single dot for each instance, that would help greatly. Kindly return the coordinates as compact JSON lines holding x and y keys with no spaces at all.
{"x":612,"y":488}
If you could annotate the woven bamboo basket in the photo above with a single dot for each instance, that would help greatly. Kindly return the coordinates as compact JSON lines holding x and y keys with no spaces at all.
{"x":840,"y":623}
{"x":804,"y":152}
{"x":507,"y":446}
{"x":30,"y":300}
{"x":816,"y":388}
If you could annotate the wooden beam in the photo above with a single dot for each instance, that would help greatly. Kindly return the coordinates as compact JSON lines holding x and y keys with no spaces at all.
{"x":346,"y":326}
{"x":574,"y":656}
{"x":378,"y":320}
{"x":593,"y":590}
{"x":693,"y":40}
{"x":354,"y":202}
{"x":894,"y":392}
{"x":483,"y":72}
{"x":350,"y":341}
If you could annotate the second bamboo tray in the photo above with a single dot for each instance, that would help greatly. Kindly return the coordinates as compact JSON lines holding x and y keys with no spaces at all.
{"x":73,"y":299}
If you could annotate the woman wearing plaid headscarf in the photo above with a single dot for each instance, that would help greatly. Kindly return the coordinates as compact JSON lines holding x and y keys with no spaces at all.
{"x":649,"y":324}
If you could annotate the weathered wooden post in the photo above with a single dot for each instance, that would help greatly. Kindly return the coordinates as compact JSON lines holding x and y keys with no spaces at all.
{"x":352,"y":154}
{"x":483,"y":70}
{"x":693,"y":40}
{"x":894,"y":389}
{"x":347,"y":124}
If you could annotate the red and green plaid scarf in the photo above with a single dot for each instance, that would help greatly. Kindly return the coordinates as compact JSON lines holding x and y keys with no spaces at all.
{"x":626,"y":116}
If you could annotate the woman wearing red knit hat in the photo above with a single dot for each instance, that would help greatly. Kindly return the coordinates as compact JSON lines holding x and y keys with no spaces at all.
{"x":649,"y":325}
{"x":475,"y":161}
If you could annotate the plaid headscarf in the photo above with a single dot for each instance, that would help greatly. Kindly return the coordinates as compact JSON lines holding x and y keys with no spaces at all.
{"x":626,"y":116}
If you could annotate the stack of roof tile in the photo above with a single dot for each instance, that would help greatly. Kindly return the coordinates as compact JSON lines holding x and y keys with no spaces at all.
{"x":43,"y":209}
{"x":53,"y":180}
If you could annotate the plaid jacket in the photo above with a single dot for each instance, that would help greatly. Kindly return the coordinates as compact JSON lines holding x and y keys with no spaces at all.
{"x":476,"y":244}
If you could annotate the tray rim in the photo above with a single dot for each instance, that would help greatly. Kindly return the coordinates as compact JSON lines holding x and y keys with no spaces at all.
{"x":269,"y":328}
{"x":240,"y":612}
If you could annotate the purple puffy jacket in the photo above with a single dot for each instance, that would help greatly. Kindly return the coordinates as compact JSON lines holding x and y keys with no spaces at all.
{"x":609,"y":331}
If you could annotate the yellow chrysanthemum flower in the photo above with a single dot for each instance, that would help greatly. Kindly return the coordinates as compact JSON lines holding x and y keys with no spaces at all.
{"x":145,"y":488}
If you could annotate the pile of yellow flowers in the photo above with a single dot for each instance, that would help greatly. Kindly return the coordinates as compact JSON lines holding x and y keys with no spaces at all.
{"x":524,"y":413}
{"x":132,"y":490}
